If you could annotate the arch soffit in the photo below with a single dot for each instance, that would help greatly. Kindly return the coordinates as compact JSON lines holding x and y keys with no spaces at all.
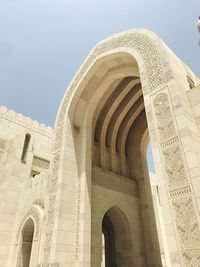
{"x":35,"y":213}
{"x":143,"y":45}
{"x":118,"y":217}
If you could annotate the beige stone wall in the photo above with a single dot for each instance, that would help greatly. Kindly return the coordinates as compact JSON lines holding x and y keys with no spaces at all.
{"x":21,"y":194}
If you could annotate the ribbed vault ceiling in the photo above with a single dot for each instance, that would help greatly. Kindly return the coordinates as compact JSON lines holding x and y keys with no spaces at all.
{"x":115,"y":116}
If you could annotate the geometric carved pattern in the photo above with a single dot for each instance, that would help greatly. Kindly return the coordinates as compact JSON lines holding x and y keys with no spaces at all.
{"x":188,"y":228}
{"x":174,"y":166}
{"x":51,"y":209}
{"x":180,"y":192}
{"x":178,"y":184}
{"x":164,"y":117}
{"x":170,"y":145}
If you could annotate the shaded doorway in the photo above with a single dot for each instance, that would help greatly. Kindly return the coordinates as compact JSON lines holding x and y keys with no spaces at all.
{"x":109,"y":252}
{"x":116,"y":239}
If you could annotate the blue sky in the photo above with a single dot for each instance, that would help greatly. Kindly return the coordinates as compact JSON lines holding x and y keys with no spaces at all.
{"x":43,"y":42}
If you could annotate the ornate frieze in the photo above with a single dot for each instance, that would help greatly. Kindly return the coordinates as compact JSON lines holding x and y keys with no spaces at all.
{"x":179,"y":188}
{"x":188,"y":229}
{"x":164,"y":117}
{"x":174,"y":166}
{"x":180,"y":192}
{"x":170,"y":145}
{"x":47,"y":246}
{"x":51,"y":210}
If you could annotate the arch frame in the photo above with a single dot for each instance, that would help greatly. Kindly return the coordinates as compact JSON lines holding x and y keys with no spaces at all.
{"x":35,"y":213}
{"x":156,"y":75}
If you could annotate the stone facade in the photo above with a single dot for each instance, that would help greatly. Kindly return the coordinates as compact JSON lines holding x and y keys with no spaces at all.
{"x":81,"y":194}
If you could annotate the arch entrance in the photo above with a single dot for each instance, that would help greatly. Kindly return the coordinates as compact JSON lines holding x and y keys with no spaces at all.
{"x":108,"y":243}
{"x":116,"y":241}
{"x":27,"y":235}
{"x":130,"y":89}
{"x":119,"y":168}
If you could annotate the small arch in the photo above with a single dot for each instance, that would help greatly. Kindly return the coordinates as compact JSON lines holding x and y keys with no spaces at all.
{"x":27,"y":235}
{"x":36,"y":213}
{"x":116,"y":238}
{"x":32,"y":217}
{"x":25,"y":147}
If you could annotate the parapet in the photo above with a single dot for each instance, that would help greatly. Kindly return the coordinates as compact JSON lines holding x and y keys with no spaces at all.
{"x":26,"y":122}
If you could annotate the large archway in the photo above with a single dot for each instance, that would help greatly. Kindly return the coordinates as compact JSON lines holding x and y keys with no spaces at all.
{"x":117,"y":119}
{"x":124,"y":93}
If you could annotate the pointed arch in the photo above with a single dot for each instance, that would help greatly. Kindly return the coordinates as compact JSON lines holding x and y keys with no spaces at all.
{"x":28,"y":229}
{"x":36,"y":214}
{"x":27,"y":238}
{"x":142,"y":44}
{"x":137,"y":53}
{"x":117,"y":236}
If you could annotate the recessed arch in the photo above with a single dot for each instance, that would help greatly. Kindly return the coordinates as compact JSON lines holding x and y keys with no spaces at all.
{"x":117,"y":241}
{"x":36,"y":213}
{"x":29,"y":227}
{"x":144,"y":54}
{"x":27,"y":237}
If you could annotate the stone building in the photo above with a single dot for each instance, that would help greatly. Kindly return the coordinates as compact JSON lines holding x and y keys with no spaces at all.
{"x":80,"y":194}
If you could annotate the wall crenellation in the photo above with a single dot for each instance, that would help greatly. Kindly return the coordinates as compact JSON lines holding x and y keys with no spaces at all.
{"x":24,"y":121}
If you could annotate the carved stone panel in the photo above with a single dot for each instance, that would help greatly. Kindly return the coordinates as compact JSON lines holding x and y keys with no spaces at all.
{"x":174,"y":165}
{"x":164,"y":117}
{"x":51,"y":210}
{"x":188,"y":229}
{"x":178,"y":183}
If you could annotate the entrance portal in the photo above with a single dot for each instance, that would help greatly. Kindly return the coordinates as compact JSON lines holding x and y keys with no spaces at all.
{"x":26,"y":244}
{"x":116,"y":243}
{"x":130,"y":90}
{"x":109,"y":242}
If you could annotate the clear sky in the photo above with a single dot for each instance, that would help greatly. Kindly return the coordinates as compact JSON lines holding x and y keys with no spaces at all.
{"x":43,"y":42}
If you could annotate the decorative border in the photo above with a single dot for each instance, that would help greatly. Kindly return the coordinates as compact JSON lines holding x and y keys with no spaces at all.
{"x":178,"y":183}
